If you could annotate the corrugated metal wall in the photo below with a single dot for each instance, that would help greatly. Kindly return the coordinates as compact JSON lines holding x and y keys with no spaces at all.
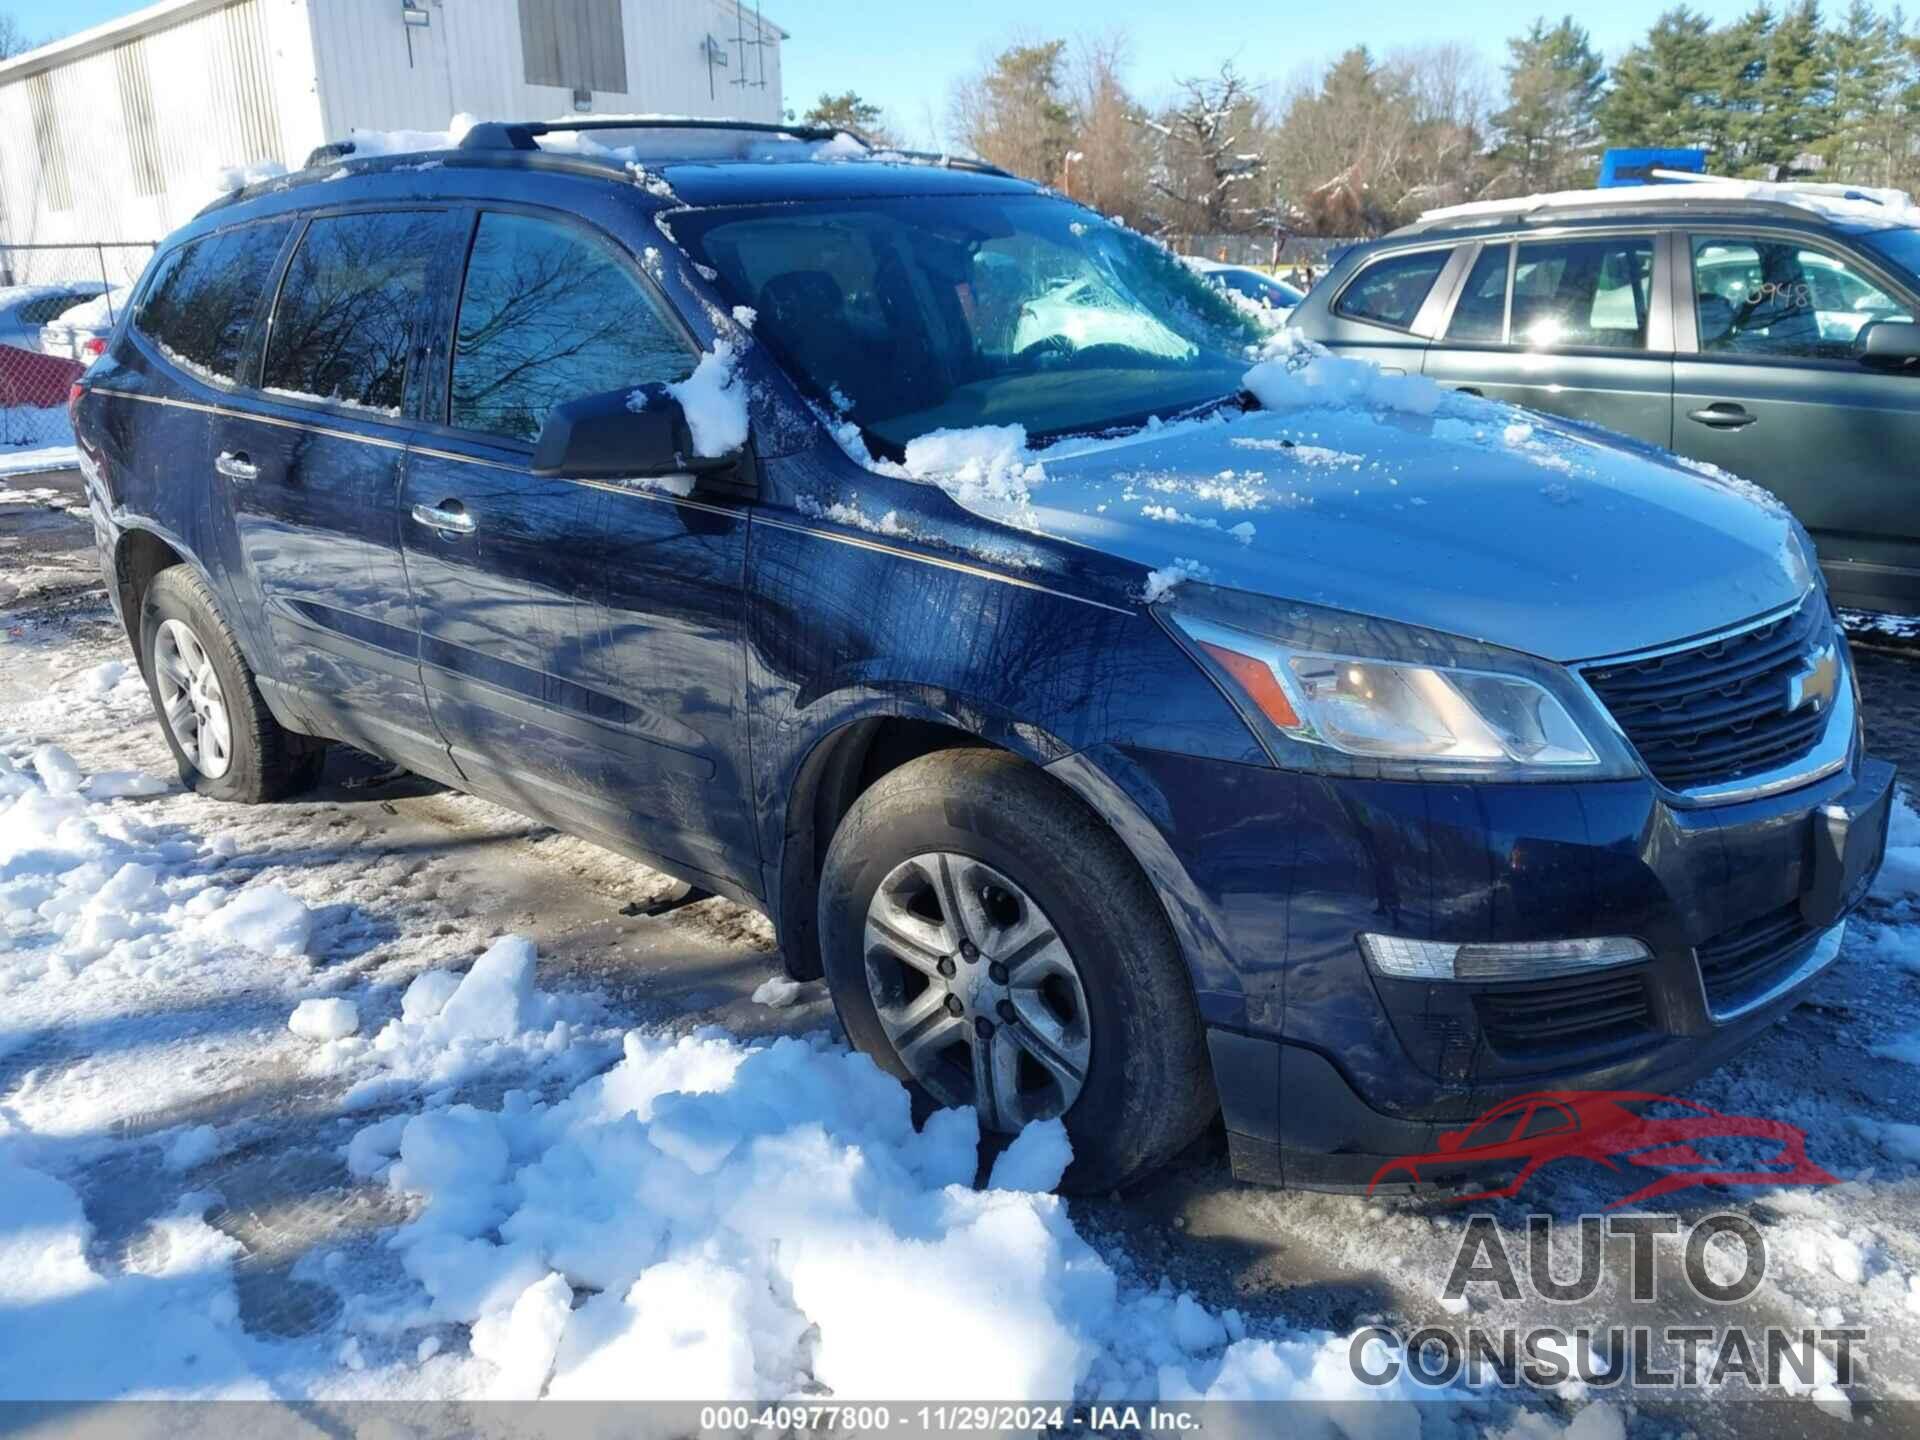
{"x":124,"y":143}
{"x":376,"y":74}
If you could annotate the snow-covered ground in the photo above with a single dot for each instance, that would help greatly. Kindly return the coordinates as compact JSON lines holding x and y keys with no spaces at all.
{"x":388,"y":1093}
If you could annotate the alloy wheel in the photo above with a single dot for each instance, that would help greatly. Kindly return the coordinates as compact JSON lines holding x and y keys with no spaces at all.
{"x":191,"y":699}
{"x":976,"y":990}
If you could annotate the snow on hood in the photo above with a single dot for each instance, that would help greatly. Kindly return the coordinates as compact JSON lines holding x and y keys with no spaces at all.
{"x":1390,"y":496}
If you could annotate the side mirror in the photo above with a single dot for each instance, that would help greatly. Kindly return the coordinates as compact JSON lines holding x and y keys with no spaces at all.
{"x":1888,"y":345}
{"x":1450,"y":1139}
{"x":639,"y":433}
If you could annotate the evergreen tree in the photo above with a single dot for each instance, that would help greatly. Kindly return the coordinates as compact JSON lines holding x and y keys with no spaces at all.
{"x":1016,"y":114}
{"x":1868,"y":112}
{"x":1793,"y":95}
{"x":847,"y":111}
{"x":1660,"y":85}
{"x":1548,"y":135}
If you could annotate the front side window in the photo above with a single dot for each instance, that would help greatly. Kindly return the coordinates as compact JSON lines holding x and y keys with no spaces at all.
{"x":344,"y":323}
{"x":200,"y":306}
{"x":1755,"y":296}
{"x":1480,"y":315}
{"x":550,"y":315}
{"x":1583,"y":293}
{"x":1391,"y":291}
{"x":929,"y":313}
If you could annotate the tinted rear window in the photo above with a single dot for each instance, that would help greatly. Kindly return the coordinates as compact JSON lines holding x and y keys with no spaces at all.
{"x":345,"y":318}
{"x":1391,"y":291}
{"x":201,"y":303}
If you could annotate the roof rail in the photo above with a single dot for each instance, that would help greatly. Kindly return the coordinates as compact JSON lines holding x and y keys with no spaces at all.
{"x":521,"y":134}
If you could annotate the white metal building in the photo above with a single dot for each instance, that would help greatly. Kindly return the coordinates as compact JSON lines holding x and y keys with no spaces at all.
{"x":117,"y":133}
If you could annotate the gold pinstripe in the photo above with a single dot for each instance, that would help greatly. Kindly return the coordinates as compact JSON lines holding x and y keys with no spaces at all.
{"x":858,"y":542}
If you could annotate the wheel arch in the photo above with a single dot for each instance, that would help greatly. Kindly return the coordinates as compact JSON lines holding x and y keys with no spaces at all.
{"x":139,"y":554}
{"x":847,"y":756}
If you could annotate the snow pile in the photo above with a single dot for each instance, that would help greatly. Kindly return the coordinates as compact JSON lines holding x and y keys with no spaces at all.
{"x":409,"y":142}
{"x":777,"y":992}
{"x":715,"y":400}
{"x":987,"y":469}
{"x":166,"y":1329}
{"x":1298,"y":379}
{"x":263,"y":918}
{"x":452,"y":1029}
{"x":1160,"y":583}
{"x":79,"y":882}
{"x":233,"y":178}
{"x":332,"y":1019}
{"x":766,"y":1222}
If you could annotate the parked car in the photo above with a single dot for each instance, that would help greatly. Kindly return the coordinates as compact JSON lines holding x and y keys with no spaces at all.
{"x":1275,"y":295}
{"x":691,"y":516}
{"x":25,"y":308}
{"x":1768,"y":330}
{"x":80,"y":331}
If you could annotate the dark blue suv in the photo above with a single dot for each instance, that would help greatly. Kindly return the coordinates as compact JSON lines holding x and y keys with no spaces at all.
{"x":1129,"y":731}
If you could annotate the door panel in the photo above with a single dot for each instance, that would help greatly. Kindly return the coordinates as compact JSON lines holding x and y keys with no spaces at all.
{"x":312,"y":472}
{"x":581,"y":641}
{"x":1773,"y":396}
{"x":1570,"y":327}
{"x":318,"y":535}
{"x":581,"y":650}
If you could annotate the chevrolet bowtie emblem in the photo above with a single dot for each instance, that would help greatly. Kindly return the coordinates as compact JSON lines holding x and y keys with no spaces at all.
{"x":1816,"y":683}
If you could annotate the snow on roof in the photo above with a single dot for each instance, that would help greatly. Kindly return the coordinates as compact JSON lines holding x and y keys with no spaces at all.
{"x":1855,"y":204}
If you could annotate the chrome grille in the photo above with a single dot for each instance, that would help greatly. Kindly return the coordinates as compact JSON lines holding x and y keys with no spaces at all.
{"x":1722,"y":710}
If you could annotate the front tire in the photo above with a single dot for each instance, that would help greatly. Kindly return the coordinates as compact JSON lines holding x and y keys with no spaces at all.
{"x":224,"y":739}
{"x":988,"y":941}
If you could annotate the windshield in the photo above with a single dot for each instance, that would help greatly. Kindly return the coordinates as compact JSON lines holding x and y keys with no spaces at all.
{"x":923,"y":314}
{"x":1901,"y":246}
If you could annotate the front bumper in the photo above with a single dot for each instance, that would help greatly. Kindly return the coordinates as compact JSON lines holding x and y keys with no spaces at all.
{"x":1325,"y":1070}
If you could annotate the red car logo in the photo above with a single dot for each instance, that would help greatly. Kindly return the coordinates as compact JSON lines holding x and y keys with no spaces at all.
{"x":1605,"y":1126}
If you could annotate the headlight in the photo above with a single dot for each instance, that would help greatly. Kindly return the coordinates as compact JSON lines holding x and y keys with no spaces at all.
{"x":1359,"y":695}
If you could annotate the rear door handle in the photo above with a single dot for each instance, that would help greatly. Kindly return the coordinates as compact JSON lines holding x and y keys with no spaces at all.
{"x":1722,"y":415}
{"x":236,"y":466}
{"x":449,"y":517}
{"x":1468,"y":389}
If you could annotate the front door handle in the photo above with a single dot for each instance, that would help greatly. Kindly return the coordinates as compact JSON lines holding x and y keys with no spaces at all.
{"x":449,"y":516}
{"x":235,"y":466}
{"x":1722,"y":415}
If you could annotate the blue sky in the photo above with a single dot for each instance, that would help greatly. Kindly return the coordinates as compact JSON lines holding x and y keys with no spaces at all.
{"x":905,"y":54}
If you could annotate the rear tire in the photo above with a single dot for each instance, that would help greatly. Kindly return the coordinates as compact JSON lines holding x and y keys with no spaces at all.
{"x":968,"y":878}
{"x":224,"y":739}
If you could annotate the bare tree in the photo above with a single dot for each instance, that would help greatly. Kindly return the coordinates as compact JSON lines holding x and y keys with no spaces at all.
{"x":13,"y":40}
{"x":1109,"y":168}
{"x":1213,"y":149}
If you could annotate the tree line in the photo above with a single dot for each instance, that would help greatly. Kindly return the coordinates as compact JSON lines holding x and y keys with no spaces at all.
{"x":1368,"y":140}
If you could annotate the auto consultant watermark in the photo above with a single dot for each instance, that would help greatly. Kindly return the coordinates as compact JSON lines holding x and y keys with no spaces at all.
{"x":1658,"y":1144}
{"x":1721,"y":1259}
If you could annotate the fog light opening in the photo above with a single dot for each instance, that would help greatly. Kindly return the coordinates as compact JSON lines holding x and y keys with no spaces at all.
{"x":1398,"y":958}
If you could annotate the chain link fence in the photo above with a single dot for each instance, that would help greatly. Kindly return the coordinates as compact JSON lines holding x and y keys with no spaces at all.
{"x":57,"y":304}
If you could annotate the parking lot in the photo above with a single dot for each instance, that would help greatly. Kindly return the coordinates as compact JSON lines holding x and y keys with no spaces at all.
{"x":170,"y":1090}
